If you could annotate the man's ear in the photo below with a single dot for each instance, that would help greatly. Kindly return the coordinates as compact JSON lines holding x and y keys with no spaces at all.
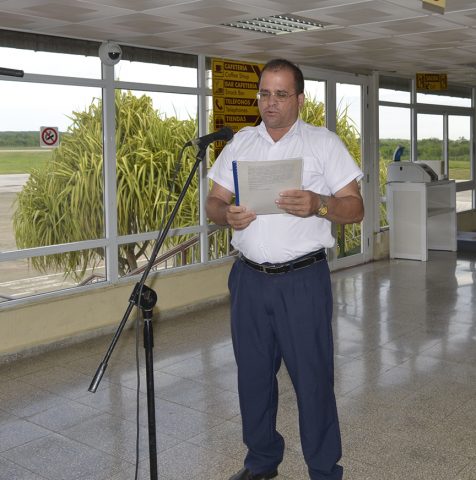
{"x":301,"y":100}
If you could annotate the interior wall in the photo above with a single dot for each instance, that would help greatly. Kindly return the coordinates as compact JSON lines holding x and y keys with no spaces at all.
{"x":25,"y":329}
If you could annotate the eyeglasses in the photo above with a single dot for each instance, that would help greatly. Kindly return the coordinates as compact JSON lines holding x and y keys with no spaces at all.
{"x":279,"y":95}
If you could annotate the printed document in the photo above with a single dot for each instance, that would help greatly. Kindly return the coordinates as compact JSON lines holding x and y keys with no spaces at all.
{"x":258,"y":183}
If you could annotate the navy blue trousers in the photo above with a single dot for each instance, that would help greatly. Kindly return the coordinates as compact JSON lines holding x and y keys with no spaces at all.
{"x":286,"y":317}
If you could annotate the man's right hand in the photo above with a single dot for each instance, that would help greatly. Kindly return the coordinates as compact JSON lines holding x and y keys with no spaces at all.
{"x":221,"y":210}
{"x":238,"y":217}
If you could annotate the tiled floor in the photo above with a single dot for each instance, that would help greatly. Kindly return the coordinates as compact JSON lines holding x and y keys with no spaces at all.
{"x":405,"y":337}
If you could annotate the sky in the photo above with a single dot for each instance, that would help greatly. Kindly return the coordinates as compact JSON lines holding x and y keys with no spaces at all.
{"x":31,"y":106}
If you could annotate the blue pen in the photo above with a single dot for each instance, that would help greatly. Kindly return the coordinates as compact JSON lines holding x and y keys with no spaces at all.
{"x":234,"y":167}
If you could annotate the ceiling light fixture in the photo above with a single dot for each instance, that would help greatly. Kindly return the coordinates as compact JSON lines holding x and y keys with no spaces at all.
{"x":277,"y":24}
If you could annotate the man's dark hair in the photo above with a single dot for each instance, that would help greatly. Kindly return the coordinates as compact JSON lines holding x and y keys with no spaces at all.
{"x":282,"y":64}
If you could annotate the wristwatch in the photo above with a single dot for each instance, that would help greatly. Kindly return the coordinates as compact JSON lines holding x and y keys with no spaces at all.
{"x":323,"y":208}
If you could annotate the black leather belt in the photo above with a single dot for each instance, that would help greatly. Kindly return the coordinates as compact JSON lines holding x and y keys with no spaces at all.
{"x":274,"y":268}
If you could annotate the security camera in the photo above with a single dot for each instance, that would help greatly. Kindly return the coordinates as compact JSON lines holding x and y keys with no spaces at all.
{"x":110,"y":53}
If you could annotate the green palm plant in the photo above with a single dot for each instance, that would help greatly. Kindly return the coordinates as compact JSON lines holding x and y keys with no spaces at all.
{"x":63,"y":202}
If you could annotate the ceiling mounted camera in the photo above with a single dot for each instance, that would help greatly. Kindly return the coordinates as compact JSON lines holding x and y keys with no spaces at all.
{"x":110,"y":53}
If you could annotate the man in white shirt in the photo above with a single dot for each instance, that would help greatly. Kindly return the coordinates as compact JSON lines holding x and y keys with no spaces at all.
{"x":281,"y":298}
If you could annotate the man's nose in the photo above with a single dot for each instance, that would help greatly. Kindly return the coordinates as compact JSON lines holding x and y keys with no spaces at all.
{"x":272,"y":99}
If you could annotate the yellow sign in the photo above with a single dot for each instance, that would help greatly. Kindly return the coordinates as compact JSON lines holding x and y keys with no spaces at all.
{"x":435,"y":5}
{"x":431,"y":81}
{"x":234,"y":87}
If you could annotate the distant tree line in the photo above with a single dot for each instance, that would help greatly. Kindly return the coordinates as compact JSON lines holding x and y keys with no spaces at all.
{"x":428,"y":149}
{"x":19,"y":139}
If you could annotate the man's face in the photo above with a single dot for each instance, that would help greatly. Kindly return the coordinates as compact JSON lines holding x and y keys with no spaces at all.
{"x":279,"y":114}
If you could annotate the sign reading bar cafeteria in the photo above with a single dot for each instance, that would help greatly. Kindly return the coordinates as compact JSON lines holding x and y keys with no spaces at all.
{"x":235,"y":85}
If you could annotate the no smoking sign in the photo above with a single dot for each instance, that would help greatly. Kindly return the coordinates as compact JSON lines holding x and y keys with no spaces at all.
{"x":49,"y":136}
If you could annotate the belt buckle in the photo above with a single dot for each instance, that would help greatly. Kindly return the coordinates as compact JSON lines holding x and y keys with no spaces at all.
{"x":266,"y":269}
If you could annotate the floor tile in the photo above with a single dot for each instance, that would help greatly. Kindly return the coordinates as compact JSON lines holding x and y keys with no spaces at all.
{"x":405,"y":382}
{"x":11,"y":471}
{"x":58,"y":458}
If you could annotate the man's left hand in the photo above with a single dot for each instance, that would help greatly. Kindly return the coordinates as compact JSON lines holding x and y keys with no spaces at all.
{"x":302,"y":203}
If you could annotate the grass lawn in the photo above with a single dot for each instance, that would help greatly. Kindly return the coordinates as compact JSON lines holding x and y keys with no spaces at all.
{"x":22,"y":161}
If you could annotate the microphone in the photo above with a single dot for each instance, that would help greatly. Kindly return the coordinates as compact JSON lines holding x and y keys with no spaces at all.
{"x":225,"y":133}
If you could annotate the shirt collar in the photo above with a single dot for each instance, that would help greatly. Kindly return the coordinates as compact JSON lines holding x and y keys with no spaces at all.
{"x":294,"y":130}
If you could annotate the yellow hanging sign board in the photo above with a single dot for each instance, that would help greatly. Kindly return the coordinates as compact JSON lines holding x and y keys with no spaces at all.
{"x":435,"y":5}
{"x":431,"y":81}
{"x":234,"y":85}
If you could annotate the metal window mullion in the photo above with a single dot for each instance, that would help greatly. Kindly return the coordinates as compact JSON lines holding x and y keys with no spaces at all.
{"x":14,"y":255}
{"x":371,"y":158}
{"x":472,"y":136}
{"x":110,"y":172}
{"x":413,"y":122}
{"x":155,"y":87}
{"x":331,"y":124}
{"x":446,"y":156}
{"x":202,"y":169}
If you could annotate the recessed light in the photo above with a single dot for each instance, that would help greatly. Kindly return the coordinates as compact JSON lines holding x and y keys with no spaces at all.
{"x":277,"y":24}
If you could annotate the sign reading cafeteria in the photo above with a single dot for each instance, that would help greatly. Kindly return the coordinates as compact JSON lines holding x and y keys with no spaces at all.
{"x":235,"y":85}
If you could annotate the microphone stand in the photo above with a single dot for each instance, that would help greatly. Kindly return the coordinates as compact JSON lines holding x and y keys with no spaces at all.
{"x":145,"y":298}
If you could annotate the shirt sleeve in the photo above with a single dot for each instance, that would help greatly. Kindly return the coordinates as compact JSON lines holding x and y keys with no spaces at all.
{"x":221,"y":171}
{"x":340,"y":168}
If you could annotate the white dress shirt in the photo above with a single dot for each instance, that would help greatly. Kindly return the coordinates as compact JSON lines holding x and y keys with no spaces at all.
{"x":327,"y":167}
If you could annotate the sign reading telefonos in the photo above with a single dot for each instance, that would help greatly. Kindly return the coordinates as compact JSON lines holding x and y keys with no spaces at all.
{"x":234,"y":95}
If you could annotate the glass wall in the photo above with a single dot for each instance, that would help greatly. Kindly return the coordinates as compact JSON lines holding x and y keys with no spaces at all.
{"x":442,"y":132}
{"x":55,"y":199}
{"x":459,"y":148}
{"x":51,"y":173}
{"x":394,"y":130}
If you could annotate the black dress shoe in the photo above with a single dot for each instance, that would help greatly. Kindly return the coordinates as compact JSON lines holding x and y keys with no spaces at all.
{"x":245,"y":474}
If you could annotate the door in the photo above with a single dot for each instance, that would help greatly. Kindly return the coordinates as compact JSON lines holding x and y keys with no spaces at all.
{"x":345,"y":103}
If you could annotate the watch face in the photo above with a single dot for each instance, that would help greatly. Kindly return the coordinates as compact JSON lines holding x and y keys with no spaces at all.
{"x":323,"y":210}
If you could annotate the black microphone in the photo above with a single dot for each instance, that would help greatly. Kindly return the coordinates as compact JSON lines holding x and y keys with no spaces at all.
{"x":225,"y":133}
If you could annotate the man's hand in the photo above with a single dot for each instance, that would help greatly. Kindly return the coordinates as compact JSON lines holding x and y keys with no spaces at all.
{"x":221,"y":211}
{"x":238,"y":217}
{"x":344,"y":207}
{"x":302,"y":203}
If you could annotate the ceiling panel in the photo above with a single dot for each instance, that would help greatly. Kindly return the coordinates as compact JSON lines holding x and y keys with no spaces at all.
{"x":360,"y":35}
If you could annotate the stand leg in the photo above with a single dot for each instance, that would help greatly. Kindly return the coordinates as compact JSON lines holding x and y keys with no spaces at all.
{"x":149,"y":366}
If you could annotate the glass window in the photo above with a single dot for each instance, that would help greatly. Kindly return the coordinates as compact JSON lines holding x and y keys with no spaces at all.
{"x":47,"y":63}
{"x":177,"y":251}
{"x":430,"y":137}
{"x":314,"y":110}
{"x":152,"y":128}
{"x":394,"y":132}
{"x":459,"y":147}
{"x":394,"y":89}
{"x":348,"y":127}
{"x":51,"y":195}
{"x":24,"y":278}
{"x":128,"y":71}
{"x":388,"y":95}
{"x":454,"y":101}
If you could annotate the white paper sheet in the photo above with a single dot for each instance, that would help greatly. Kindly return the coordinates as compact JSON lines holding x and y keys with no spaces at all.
{"x":260,"y":182}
